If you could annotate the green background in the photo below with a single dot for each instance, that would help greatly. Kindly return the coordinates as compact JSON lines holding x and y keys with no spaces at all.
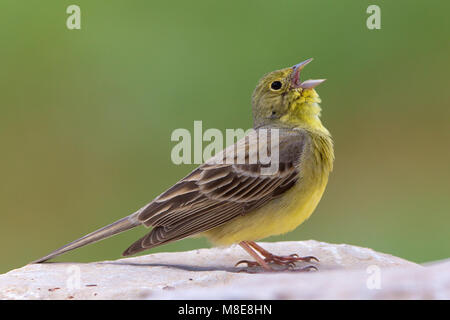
{"x":86,"y":115}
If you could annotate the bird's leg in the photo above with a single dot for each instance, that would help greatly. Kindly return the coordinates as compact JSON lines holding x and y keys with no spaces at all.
{"x":259,"y":261}
{"x":280,"y":260}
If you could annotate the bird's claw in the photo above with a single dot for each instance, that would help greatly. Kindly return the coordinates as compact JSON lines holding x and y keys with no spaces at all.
{"x":307,"y":258}
{"x":307,"y":269}
{"x":249,"y":263}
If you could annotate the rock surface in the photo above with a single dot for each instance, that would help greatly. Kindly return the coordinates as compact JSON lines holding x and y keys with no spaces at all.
{"x":345,"y":272}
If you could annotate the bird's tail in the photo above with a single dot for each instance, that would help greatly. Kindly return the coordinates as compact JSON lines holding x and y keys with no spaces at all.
{"x":119,"y":226}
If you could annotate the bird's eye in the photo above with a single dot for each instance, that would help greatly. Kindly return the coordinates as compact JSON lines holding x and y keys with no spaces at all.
{"x":276,"y":85}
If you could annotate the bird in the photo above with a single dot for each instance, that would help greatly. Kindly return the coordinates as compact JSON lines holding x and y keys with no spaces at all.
{"x":239,"y":202}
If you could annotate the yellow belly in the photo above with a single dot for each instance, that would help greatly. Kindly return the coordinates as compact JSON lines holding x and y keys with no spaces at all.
{"x":276,"y":217}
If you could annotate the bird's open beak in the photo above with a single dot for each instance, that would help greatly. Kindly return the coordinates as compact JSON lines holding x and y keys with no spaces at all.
{"x":295,"y":77}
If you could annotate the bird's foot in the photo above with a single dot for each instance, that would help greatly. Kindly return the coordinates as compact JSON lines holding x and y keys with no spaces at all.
{"x":286,"y":263}
{"x":268,"y":259}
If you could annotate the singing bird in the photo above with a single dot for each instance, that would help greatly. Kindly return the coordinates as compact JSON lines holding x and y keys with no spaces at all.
{"x":236,"y":202}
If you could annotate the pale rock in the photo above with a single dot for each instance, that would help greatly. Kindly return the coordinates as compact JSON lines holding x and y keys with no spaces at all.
{"x":344,"y":272}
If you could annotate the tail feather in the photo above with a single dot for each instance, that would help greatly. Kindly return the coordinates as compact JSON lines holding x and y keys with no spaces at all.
{"x":119,"y":226}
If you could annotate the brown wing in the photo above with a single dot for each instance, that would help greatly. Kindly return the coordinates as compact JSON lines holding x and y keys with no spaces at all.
{"x":219,"y":191}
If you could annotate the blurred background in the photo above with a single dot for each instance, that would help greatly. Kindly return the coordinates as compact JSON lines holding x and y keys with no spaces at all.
{"x":86,"y":115}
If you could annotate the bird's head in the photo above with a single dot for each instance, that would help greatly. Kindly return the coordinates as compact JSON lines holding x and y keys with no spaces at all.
{"x":282,"y":98}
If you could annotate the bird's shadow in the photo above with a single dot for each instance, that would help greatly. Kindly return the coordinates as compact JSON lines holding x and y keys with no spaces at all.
{"x":177,"y":266}
{"x":184,"y":267}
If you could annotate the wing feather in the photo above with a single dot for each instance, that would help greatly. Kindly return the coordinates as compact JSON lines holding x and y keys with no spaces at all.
{"x":217,"y":192}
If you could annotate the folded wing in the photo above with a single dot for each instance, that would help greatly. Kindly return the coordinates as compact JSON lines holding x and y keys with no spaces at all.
{"x":222,"y":189}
